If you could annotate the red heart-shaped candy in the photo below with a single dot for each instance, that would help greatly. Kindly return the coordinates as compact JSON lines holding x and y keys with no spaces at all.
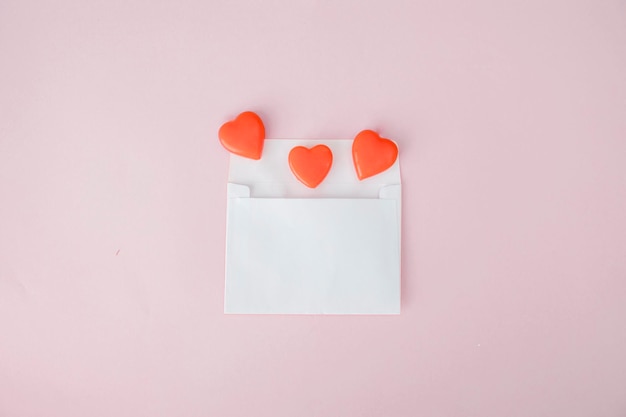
{"x":372,"y":154}
{"x":244,"y":136}
{"x":310,"y":166}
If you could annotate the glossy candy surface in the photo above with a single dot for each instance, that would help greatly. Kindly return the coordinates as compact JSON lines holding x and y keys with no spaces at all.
{"x":310,"y":166}
{"x":244,"y":136}
{"x":372,"y":154}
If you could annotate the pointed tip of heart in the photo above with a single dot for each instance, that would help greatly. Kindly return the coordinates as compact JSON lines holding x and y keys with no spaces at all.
{"x":244,"y":136}
{"x":372,"y":154}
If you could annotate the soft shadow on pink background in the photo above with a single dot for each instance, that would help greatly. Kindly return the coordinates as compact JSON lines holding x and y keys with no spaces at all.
{"x":511,"y":120}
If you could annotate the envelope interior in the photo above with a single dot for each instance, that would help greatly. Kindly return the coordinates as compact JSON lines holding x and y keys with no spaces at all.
{"x":271,"y":177}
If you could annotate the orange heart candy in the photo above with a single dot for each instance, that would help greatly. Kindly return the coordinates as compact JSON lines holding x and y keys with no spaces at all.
{"x":372,"y":154}
{"x":310,"y":166}
{"x":244,"y":136}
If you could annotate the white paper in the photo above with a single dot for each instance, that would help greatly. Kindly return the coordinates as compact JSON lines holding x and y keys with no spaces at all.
{"x":294,"y":250}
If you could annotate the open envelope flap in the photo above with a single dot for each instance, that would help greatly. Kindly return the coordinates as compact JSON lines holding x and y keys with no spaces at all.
{"x":270,"y":177}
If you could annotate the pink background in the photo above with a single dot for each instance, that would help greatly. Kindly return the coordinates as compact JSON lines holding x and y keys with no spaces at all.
{"x":511,"y":120}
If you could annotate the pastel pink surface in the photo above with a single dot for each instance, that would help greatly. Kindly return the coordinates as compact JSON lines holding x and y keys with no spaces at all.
{"x":510,"y":122}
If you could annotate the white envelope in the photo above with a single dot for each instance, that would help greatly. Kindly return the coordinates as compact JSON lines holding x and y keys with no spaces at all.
{"x":334,"y":249}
